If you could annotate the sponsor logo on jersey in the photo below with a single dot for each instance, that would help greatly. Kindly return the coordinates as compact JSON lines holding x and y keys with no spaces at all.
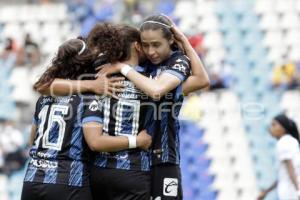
{"x":170,"y":187}
{"x":122,"y":157}
{"x":180,"y":67}
{"x":130,"y":92}
{"x":94,"y":106}
{"x":46,"y":164}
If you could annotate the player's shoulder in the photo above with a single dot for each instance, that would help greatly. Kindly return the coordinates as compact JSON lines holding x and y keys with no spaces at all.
{"x":149,"y":68}
{"x":179,"y":57}
{"x":286,"y":142}
{"x":179,"y":62}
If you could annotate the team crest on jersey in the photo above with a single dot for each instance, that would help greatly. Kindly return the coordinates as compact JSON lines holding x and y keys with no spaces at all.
{"x":180,"y":67}
{"x":94,"y":106}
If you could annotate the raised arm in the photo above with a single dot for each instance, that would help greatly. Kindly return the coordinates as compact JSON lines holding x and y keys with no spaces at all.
{"x":155,"y":88}
{"x":199,"y":77}
{"x":169,"y":79}
{"x":92,"y":120}
{"x":99,"y":142}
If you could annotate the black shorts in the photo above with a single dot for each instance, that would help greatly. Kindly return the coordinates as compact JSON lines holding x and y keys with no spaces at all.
{"x":166,"y":182}
{"x":42,"y":191}
{"x":119,"y":184}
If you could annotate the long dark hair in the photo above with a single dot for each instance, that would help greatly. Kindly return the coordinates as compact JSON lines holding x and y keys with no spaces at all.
{"x":289,"y":125}
{"x":73,"y":59}
{"x":129,"y":35}
{"x":113,"y":41}
{"x":163,"y":24}
{"x":295,"y":132}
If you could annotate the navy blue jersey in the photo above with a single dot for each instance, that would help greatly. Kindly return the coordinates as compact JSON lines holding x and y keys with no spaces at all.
{"x":60,"y":154}
{"x":125,"y":116}
{"x":163,"y":120}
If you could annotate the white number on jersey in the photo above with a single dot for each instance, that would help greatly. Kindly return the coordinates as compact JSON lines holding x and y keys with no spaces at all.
{"x":55,"y":116}
{"x":126,"y":110}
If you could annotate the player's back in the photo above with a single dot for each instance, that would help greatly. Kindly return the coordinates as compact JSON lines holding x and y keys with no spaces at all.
{"x":125,"y":116}
{"x":59,"y":154}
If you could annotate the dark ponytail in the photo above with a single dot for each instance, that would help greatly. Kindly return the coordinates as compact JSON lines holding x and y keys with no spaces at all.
{"x":294,"y":131}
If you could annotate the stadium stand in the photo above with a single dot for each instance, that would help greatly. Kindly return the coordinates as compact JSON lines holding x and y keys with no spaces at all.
{"x":197,"y":182}
{"x":49,"y":25}
{"x":221,"y":134}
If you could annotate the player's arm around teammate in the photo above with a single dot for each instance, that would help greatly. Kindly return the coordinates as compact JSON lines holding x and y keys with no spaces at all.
{"x":104,"y":143}
{"x":58,"y":86}
{"x":102,"y":86}
{"x":57,"y":168}
{"x":170,"y":69}
{"x":157,"y":88}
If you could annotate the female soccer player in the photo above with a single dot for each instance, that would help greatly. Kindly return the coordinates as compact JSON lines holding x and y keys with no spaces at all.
{"x":124,"y":174}
{"x":286,"y":132}
{"x":170,"y":68}
{"x":58,"y":165}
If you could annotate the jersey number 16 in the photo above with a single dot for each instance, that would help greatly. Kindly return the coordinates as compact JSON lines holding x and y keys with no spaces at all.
{"x":55,"y":116}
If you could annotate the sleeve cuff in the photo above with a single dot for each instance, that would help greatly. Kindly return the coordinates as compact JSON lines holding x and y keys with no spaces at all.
{"x":177,"y":74}
{"x":284,"y":157}
{"x":92,"y":119}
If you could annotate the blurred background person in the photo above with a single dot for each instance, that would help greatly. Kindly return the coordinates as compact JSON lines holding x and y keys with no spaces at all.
{"x":12,"y":146}
{"x":285,"y":76}
{"x":286,"y":133}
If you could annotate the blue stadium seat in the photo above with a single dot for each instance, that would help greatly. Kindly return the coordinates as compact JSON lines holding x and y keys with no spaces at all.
{"x":105,"y":13}
{"x":14,"y":184}
{"x":167,"y":7}
{"x":228,"y":24}
{"x":255,"y":55}
{"x":242,"y":7}
{"x":208,"y":195}
{"x":251,"y":36}
{"x":90,"y":3}
{"x":247,"y":22}
{"x":87,"y":25}
{"x":194,"y":164}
